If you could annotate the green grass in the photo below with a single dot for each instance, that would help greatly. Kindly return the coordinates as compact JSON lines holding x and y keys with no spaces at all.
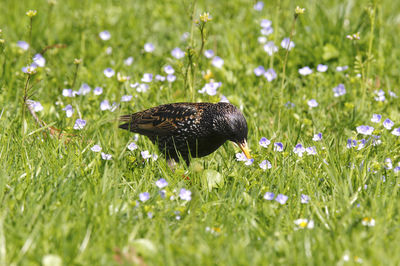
{"x":61,"y":198}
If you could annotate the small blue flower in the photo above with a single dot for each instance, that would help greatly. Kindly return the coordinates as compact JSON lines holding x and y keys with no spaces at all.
{"x":396,"y":169}
{"x":388,"y":164}
{"x":36,"y":106}
{"x":149,"y":47}
{"x":278,"y":146}
{"x":210,"y":88}
{"x":217,"y":61}
{"x":265,"y":165}
{"x":169,"y":70}
{"x":312,"y":103}
{"x":241,"y":157}
{"x":317,"y":137}
{"x":299,"y":150}
{"x":79,"y":124}
{"x":339,"y":90}
{"x":388,"y":124}
{"x":365,"y":130}
{"x":84,"y":89}
{"x":270,"y":74}
{"x":109,"y":72}
{"x":267,"y":31}
{"x":209,"y":53}
{"x":311,"y":151}
{"x":142,"y":87}
{"x":396,"y":131}
{"x":177,"y":53}
{"x":380,"y":96}
{"x":160,"y":78}
{"x":106,"y":156}
{"x":68,"y":110}
{"x":105,"y":35}
{"x":145,"y":154}
{"x":98,"y":90}
{"x":171,"y":78}
{"x":144,"y":196}
{"x":322,"y":68}
{"x":289,"y":105}
{"x":262,"y":39}
{"x":392,"y":94}
{"x":23,"y":45}
{"x":68,"y":93}
{"x":96,"y":148}
{"x":161,"y":183}
{"x":304,"y":199}
{"x":128,"y":61}
{"x":185,"y":194}
{"x":147,"y":77}
{"x":265,"y":23}
{"x":264,"y":142}
{"x":376,"y":118}
{"x":286,"y":45}
{"x":249,"y":162}
{"x":281,"y":198}
{"x":258,"y":71}
{"x":361,"y":144}
{"x":351,"y":143}
{"x":341,"y":68}
{"x":132,"y":146}
{"x":39,"y":60}
{"x":105,"y":105}
{"x":270,"y":48}
{"x":305,"y":71}
{"x":126,"y":98}
{"x":259,"y":6}
{"x":269,"y":196}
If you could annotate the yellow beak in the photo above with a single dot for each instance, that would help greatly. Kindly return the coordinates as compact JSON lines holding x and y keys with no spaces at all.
{"x":243,"y":146}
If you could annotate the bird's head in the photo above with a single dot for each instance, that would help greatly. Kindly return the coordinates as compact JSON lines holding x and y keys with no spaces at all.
{"x":232,"y":125}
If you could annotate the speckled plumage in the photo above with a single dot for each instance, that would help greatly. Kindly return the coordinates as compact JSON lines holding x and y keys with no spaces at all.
{"x":189,"y":129}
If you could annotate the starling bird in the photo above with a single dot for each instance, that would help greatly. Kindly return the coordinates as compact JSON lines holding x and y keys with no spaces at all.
{"x":190,"y":129}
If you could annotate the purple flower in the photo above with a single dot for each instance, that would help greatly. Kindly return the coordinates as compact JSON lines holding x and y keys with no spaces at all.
{"x":317,"y":137}
{"x":68,"y":93}
{"x":380,"y":96}
{"x":147,"y":77}
{"x":177,"y":53}
{"x":98,"y":90}
{"x":171,"y":78}
{"x":209,"y":53}
{"x":270,"y":74}
{"x":128,"y":61}
{"x":105,"y":35}
{"x":84,"y":89}
{"x":144,"y":196}
{"x":106,"y":156}
{"x":376,"y":118}
{"x":217,"y":61}
{"x":241,"y":157}
{"x":267,"y":31}
{"x":396,"y":169}
{"x":258,"y":71}
{"x":169,"y":70}
{"x":388,"y":124}
{"x":105,"y":105}
{"x":262,"y":39}
{"x":126,"y":98}
{"x":311,"y":151}
{"x":36,"y":106}
{"x":145,"y":155}
{"x":396,"y":131}
{"x":161,"y":183}
{"x":278,"y":146}
{"x":286,"y":45}
{"x":30,"y":69}
{"x":265,"y":23}
{"x":269,"y":196}
{"x":109,"y":72}
{"x":259,"y":6}
{"x":224,"y":99}
{"x":392,"y":94}
{"x":322,"y":68}
{"x":185,"y":194}
{"x":351,"y":143}
{"x":304,"y":199}
{"x":160,"y":78}
{"x":312,"y":103}
{"x":210,"y":88}
{"x":305,"y":71}
{"x":361,"y":144}
{"x":39,"y":60}
{"x":265,"y":165}
{"x":79,"y":124}
{"x":96,"y":148}
{"x":270,"y":48}
{"x":23,"y":45}
{"x":299,"y":150}
{"x":365,"y":130}
{"x":339,"y":90}
{"x":281,"y":198}
{"x":264,"y":142}
{"x":142,"y":88}
{"x":249,"y":162}
{"x":68,"y":110}
{"x":132,"y":146}
{"x":341,"y":68}
{"x":149,"y":47}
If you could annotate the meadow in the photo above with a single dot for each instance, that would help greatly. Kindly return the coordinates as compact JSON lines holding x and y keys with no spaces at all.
{"x":317,"y":81}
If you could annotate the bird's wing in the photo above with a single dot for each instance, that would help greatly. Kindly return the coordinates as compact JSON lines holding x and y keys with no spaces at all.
{"x":159,"y":121}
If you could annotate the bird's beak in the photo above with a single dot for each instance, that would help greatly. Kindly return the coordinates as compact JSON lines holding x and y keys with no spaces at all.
{"x":243,"y":146}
